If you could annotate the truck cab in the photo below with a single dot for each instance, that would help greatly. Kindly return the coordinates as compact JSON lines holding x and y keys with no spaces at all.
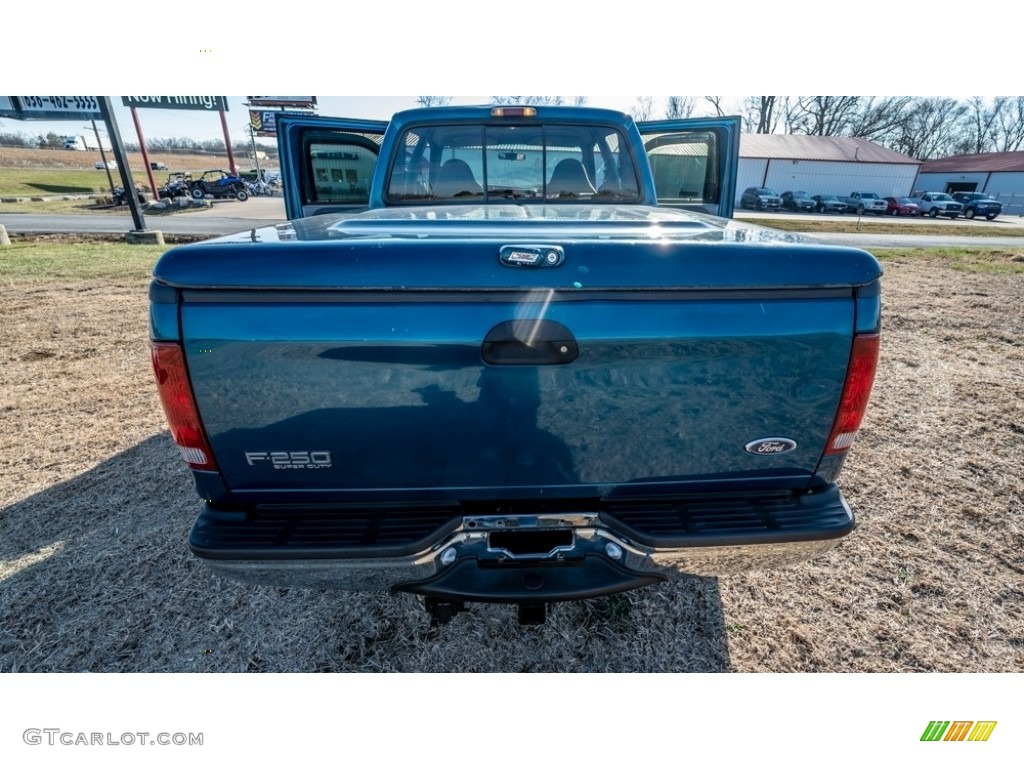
{"x":526,"y":155}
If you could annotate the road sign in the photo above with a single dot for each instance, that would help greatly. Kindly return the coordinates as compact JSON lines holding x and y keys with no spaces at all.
{"x":200,"y":103}
{"x":50,"y":107}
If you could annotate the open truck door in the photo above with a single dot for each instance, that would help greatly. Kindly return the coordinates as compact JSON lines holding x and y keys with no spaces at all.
{"x":327,"y":163}
{"x":694,"y":162}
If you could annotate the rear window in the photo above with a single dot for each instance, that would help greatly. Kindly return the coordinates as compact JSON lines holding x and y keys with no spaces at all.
{"x":520,"y":163}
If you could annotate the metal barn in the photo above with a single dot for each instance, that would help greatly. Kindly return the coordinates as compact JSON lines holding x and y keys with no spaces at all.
{"x":1000,"y":174}
{"x":819,"y":165}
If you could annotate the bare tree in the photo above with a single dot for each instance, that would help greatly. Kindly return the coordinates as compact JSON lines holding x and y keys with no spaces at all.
{"x":716,"y":102}
{"x":932,"y":127}
{"x":433,"y":101}
{"x":1011,"y":125}
{"x":678,"y":107}
{"x":643,"y":108}
{"x":879,"y":120}
{"x":761,"y":113}
{"x":821,"y":115}
{"x":981,"y":125}
{"x":538,"y":101}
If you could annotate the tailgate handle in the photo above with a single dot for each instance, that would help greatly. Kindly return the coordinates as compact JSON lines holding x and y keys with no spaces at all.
{"x":529,"y":342}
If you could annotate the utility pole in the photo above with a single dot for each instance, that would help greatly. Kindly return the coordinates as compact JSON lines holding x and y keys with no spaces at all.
{"x":103,"y":155}
{"x":255,"y":153}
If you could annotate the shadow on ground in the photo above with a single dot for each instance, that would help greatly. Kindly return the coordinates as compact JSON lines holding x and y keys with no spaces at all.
{"x":95,"y":576}
{"x":65,"y":189}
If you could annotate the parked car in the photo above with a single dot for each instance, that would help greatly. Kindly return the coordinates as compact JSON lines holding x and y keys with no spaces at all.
{"x":864,"y":202}
{"x":978,"y":204}
{"x":158,"y":166}
{"x":109,"y":165}
{"x":937,"y":204}
{"x":761,"y":199}
{"x":902,"y":206}
{"x":828,"y":204}
{"x":798,"y":201}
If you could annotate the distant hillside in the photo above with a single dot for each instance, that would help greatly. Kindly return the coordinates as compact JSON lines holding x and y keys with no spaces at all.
{"x":17,"y":157}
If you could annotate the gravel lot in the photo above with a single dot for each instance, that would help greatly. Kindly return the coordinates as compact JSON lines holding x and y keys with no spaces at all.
{"x":95,"y":508}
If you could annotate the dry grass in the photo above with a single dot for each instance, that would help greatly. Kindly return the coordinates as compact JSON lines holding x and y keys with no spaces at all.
{"x":95,"y":508}
{"x":1003,"y":226}
{"x":17,"y":157}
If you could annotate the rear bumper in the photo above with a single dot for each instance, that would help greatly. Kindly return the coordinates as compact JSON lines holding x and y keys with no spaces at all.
{"x":518,"y":557}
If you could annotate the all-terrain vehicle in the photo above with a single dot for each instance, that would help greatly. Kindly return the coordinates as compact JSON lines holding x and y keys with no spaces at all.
{"x":219,"y":184}
{"x":178,"y":185}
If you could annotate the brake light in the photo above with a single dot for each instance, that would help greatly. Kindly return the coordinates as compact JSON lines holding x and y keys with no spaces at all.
{"x":513,"y":112}
{"x":180,"y":405}
{"x":860,"y":375}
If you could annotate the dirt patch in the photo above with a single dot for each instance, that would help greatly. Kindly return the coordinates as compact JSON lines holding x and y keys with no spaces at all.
{"x":95,"y":507}
{"x":171,"y":238}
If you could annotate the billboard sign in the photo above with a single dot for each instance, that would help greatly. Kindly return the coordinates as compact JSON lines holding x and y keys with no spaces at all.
{"x":297,"y":102}
{"x":264,"y":121}
{"x":200,"y":103}
{"x":50,"y":107}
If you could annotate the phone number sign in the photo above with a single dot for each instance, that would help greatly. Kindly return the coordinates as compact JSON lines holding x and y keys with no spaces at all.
{"x":50,"y":107}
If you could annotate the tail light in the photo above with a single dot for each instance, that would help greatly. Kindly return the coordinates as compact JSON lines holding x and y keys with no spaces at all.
{"x":180,"y":405}
{"x":860,"y":375}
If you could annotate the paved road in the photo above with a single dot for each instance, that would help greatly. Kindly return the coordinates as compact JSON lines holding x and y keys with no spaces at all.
{"x":230,"y":216}
{"x":224,"y":218}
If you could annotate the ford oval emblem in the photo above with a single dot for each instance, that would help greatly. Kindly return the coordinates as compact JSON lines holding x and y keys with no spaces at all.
{"x":770,"y":446}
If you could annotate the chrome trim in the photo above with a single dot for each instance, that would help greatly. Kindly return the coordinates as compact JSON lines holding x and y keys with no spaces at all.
{"x":470,"y":540}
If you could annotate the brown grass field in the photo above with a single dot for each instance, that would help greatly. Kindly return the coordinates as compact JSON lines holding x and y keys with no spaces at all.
{"x":17,"y":157}
{"x":95,"y":508}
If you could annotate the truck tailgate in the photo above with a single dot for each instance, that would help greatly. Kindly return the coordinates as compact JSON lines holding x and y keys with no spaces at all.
{"x":631,"y":367}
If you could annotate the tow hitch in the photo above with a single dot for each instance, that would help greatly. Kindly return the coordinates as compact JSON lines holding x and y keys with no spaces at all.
{"x":527,"y":561}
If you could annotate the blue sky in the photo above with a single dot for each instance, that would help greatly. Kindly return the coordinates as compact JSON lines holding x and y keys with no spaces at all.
{"x":198,"y":125}
{"x":459,"y":46}
{"x":202,"y":125}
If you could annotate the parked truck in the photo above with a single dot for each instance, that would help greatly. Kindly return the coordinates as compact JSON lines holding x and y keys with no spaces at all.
{"x":864,"y":202}
{"x":936,"y":204}
{"x":507,"y":371}
{"x":86,"y":142}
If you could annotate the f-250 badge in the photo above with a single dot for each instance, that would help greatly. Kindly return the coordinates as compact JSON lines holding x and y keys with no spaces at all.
{"x":291,"y":459}
{"x":770,"y":446}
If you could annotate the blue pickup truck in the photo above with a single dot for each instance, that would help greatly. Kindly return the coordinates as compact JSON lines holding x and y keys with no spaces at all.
{"x":516,"y":355}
